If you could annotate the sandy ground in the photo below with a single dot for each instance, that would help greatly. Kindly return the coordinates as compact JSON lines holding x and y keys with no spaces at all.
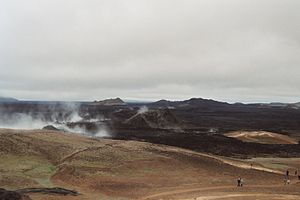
{"x":263,"y":137}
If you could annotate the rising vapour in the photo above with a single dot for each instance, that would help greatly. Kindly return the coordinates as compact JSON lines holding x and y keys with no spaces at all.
{"x":60,"y":116}
{"x":143,"y":109}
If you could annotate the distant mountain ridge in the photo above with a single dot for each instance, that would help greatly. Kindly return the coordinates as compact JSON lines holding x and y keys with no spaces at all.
{"x":8,"y":99}
{"x":200,"y":102}
{"x":282,"y":105}
{"x":163,"y":103}
{"x":110,"y":102}
{"x":193,"y":102}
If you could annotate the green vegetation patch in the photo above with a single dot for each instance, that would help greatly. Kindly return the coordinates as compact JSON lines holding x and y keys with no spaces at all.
{"x":29,"y":167}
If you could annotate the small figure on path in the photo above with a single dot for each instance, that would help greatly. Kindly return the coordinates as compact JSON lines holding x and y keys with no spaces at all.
{"x":287,"y":180}
{"x":242,"y":182}
{"x":239,"y":182}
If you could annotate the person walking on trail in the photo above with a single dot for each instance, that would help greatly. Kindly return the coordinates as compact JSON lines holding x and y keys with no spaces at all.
{"x":287,"y":180}
{"x":239,"y":182}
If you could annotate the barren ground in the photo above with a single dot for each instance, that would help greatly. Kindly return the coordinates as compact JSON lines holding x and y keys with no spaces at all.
{"x":113,"y":169}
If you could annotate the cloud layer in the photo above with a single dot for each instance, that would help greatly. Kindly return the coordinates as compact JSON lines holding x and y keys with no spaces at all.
{"x":150,"y":49}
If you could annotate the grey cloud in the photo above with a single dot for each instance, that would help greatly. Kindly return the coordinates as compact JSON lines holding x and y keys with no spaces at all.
{"x":149,"y":49}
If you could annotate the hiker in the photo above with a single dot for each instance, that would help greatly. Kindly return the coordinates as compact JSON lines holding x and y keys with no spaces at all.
{"x":239,"y":182}
{"x":296,"y":172}
{"x":287,"y":181}
{"x":299,"y":177}
{"x":287,"y":173}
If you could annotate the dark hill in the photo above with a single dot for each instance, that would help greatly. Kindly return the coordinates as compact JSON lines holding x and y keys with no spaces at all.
{"x":193,"y":102}
{"x":162,"y":118}
{"x":8,"y":99}
{"x":110,"y":102}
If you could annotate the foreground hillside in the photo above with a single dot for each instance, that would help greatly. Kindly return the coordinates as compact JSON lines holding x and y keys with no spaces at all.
{"x":113,"y":169}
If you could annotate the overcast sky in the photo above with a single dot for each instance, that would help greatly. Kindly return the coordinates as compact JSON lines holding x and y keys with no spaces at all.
{"x":228,"y":50}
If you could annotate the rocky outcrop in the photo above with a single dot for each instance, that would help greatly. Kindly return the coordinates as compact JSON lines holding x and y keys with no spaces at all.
{"x":56,"y":190}
{"x":12,"y":195}
{"x":51,"y":128}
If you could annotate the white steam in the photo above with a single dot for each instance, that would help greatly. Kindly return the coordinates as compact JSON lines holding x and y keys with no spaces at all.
{"x":143,"y":109}
{"x":103,"y":132}
{"x":21,"y":121}
{"x":58,"y":116}
{"x":75,"y":117}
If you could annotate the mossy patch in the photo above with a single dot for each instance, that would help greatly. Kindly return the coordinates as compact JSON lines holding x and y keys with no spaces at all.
{"x":28,"y":167}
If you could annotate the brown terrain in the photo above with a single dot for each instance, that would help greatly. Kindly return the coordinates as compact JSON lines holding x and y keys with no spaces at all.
{"x":114,"y":169}
{"x":193,"y":149}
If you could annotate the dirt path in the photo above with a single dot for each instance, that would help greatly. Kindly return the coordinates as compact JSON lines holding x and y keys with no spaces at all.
{"x":233,"y":162}
{"x":83,"y":150}
{"x":182,"y":191}
{"x":73,"y":154}
{"x":247,"y":196}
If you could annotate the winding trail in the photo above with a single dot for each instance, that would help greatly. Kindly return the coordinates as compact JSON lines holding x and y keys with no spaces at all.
{"x":83,"y":150}
{"x":255,"y":195}
{"x":198,"y":189}
{"x":230,"y":161}
{"x":73,"y":154}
